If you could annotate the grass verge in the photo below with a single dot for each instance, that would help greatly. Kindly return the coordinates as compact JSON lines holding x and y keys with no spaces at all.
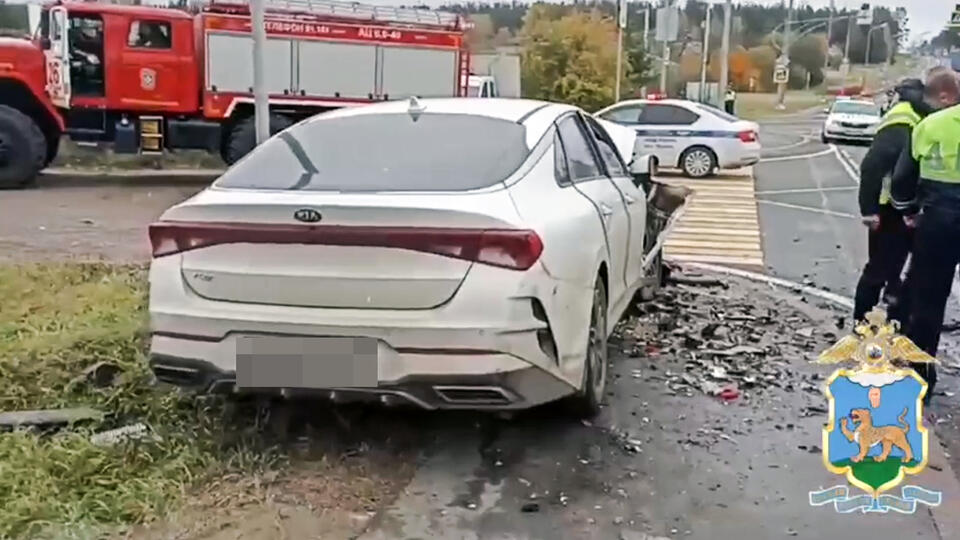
{"x":759,"y":106}
{"x":58,"y":319}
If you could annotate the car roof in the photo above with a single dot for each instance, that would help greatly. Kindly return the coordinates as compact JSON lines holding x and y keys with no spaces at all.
{"x":860,"y":101}
{"x":536,"y":116}
{"x":678,"y":102}
{"x":512,"y":110}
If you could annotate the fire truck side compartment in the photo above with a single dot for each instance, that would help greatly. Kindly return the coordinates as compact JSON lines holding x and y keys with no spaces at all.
{"x":193,"y":134}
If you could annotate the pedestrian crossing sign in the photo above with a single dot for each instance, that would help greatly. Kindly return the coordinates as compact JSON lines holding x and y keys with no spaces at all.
{"x":955,"y":18}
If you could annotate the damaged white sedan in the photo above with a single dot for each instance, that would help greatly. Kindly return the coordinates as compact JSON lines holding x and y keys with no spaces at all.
{"x":451,"y":253}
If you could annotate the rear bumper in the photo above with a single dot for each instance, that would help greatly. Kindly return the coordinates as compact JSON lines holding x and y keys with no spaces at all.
{"x":484,"y":342}
{"x":514,"y":389}
{"x":745,"y":155}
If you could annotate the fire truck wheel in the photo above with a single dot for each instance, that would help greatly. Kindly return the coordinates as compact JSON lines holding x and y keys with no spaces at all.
{"x":243,"y":136}
{"x":23,"y":149}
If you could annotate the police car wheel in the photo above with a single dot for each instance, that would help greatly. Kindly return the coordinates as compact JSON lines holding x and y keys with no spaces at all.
{"x":698,"y":162}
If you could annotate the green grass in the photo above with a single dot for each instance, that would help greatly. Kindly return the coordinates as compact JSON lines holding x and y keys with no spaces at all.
{"x":759,"y":106}
{"x":874,"y":473}
{"x":56,"y":320}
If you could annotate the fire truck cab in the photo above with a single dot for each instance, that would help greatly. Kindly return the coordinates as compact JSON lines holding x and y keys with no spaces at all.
{"x":154,"y":79}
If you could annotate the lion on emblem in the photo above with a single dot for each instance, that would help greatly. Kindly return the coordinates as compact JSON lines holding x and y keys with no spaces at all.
{"x":867,"y":435}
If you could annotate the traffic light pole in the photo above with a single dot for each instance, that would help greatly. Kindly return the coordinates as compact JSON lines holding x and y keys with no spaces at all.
{"x":261,"y":107}
{"x":725,"y":47}
{"x":782,"y":86}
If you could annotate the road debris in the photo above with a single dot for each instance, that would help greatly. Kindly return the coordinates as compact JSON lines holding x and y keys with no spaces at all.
{"x":726,"y":346}
{"x":49,"y":417}
{"x":133,"y":432}
{"x":100,"y":375}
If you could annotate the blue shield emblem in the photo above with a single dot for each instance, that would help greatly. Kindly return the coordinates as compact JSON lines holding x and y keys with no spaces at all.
{"x":874,"y":436}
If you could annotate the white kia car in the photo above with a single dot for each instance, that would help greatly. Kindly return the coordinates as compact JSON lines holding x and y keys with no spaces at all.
{"x":851,"y":120}
{"x":693,"y":137}
{"x":458,"y":253}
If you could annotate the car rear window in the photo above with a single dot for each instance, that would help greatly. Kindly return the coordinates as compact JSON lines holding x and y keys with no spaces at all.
{"x":385,"y":152}
{"x":723,"y":115}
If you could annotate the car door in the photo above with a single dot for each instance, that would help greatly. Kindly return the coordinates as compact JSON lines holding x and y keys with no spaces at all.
{"x":629,"y":116}
{"x":672,"y":129}
{"x":632,"y":198}
{"x":588,"y":175}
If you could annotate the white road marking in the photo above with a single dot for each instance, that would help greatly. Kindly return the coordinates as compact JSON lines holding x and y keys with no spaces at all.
{"x":804,"y":190}
{"x":719,"y":225}
{"x":807,"y":208}
{"x":840,"y":300}
{"x":799,"y":156}
{"x":845,"y":164}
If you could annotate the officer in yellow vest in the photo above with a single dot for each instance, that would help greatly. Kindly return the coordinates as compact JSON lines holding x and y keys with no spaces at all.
{"x":888,"y":238}
{"x":926,"y":187}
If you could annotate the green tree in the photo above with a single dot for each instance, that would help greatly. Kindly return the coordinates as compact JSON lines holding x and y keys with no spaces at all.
{"x":570,"y":57}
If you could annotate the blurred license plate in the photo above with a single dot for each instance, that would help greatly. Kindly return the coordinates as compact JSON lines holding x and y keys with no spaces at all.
{"x":306,"y":362}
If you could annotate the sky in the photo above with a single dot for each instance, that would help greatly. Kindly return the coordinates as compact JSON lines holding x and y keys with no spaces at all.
{"x":925,"y":15}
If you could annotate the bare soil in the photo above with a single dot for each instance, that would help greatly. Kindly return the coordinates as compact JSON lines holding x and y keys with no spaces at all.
{"x":88,"y":220}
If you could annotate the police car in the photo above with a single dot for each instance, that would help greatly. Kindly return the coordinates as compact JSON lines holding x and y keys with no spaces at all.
{"x":851,"y":120}
{"x":694,"y":137}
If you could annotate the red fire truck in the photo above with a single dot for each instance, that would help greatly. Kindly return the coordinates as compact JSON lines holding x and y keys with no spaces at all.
{"x":153,"y":79}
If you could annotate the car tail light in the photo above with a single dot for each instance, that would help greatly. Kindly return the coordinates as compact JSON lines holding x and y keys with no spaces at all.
{"x":747,"y":136}
{"x":515,"y":249}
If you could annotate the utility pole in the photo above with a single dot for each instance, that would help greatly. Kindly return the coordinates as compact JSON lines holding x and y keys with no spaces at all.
{"x":706,"y":53}
{"x":845,"y":65}
{"x":725,"y":47}
{"x":666,"y":53}
{"x":621,"y":24}
{"x":785,"y":58}
{"x":833,"y":6}
{"x":646,"y":28}
{"x":261,"y":108}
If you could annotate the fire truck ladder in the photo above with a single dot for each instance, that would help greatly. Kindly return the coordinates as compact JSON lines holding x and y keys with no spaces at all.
{"x":355,"y":10}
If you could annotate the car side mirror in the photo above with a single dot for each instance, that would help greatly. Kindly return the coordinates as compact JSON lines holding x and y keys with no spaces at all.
{"x":641,"y":167}
{"x":45,"y":43}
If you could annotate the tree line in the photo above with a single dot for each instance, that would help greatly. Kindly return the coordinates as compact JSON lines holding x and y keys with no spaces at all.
{"x":569,"y":50}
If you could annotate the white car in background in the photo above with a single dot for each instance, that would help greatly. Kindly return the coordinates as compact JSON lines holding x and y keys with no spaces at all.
{"x":458,"y":253}
{"x":851,"y":120}
{"x":693,"y":137}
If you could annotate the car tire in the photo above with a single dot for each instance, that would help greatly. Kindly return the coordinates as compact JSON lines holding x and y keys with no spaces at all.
{"x":824,"y":139}
{"x":587,"y":401}
{"x":23,"y":148}
{"x":698,"y":162}
{"x":242,"y":138}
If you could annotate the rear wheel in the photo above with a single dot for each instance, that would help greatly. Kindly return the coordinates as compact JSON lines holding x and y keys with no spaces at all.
{"x":243,"y":137}
{"x":698,"y":162}
{"x":586,"y":402}
{"x":23,"y":149}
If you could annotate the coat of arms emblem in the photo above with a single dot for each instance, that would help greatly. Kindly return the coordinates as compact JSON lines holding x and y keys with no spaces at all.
{"x":875,"y":435}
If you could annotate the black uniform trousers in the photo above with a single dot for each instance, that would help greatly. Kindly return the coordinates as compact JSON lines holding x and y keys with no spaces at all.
{"x":887,"y":251}
{"x":936,"y":254}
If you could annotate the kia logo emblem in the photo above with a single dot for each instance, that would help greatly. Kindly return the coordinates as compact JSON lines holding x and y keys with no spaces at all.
{"x":307,"y":215}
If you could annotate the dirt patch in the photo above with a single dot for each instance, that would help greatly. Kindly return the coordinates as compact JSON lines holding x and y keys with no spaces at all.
{"x":63,"y":221}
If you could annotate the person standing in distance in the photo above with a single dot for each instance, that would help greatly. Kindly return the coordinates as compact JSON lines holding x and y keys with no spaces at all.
{"x":888,"y":237}
{"x":926,"y":188}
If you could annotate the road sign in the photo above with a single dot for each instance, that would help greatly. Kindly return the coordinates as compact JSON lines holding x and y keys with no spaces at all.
{"x":668,"y":24}
{"x":623,"y":13}
{"x":865,"y":17}
{"x":955,"y":18}
{"x":781,"y":75}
